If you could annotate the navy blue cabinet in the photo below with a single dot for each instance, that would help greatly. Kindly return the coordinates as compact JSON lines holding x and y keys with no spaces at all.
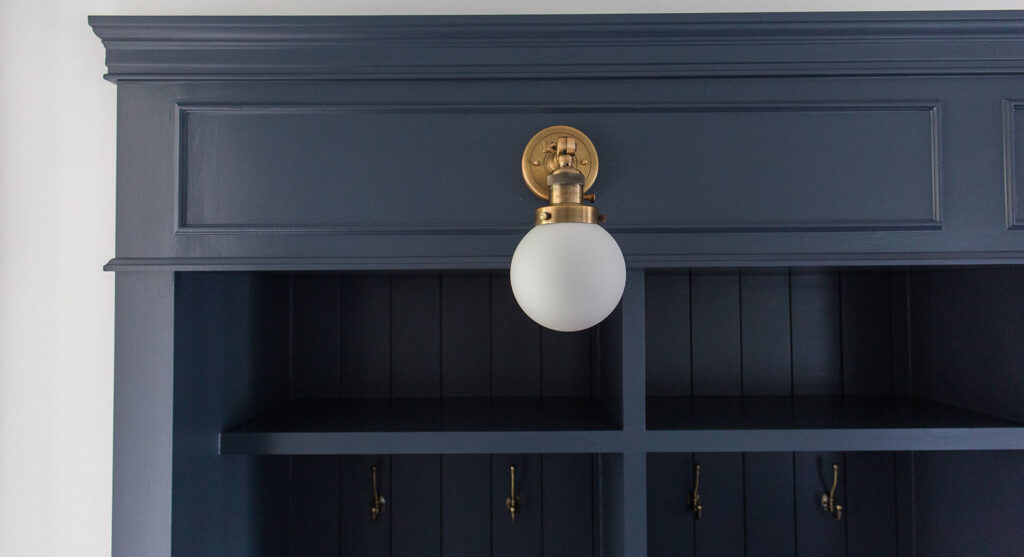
{"x":821,"y":217}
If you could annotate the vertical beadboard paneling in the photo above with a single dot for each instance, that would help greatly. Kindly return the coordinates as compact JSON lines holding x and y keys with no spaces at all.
{"x":721,"y":530}
{"x":817,"y":533}
{"x":816,"y":333}
{"x":899,"y":307}
{"x":770,"y":524}
{"x":717,"y":370}
{"x":903,"y":466}
{"x":315,"y":505}
{"x":365,"y":337}
{"x":465,"y":504}
{"x":870,"y":504}
{"x":767,"y":371}
{"x":755,"y":333}
{"x":565,"y":363}
{"x":515,"y":344}
{"x":868,"y":348}
{"x":567,"y":495}
{"x":415,"y":326}
{"x":802,"y":332}
{"x":765,"y":340}
{"x":667,"y":314}
{"x":524,"y":535}
{"x":610,"y":347}
{"x":866,"y":332}
{"x":314,"y":481}
{"x":670,"y":522}
{"x":716,"y":333}
{"x":416,"y":510}
{"x":465,"y":335}
{"x":360,"y":535}
{"x":970,"y":501}
{"x":315,"y":336}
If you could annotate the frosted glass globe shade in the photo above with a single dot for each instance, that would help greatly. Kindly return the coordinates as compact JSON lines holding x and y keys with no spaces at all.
{"x":568,"y":276}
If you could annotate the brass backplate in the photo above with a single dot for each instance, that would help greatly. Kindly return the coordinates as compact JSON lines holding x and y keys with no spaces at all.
{"x":539,"y":158}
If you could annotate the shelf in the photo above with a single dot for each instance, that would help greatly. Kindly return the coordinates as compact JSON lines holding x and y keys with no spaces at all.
{"x":581,"y":425}
{"x":410,"y":426}
{"x":726,"y":424}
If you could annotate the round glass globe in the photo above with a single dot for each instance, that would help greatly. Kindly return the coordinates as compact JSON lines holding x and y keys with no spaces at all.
{"x":568,"y":276}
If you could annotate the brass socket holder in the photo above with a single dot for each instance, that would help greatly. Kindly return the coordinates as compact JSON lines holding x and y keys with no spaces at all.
{"x":566,"y":183}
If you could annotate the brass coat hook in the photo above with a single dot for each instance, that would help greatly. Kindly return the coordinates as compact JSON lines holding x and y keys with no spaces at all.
{"x":377,"y":503}
{"x":828,"y":500}
{"x":513,"y":503}
{"x":693,"y":501}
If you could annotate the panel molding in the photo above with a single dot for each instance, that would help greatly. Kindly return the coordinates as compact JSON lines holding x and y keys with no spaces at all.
{"x":931,"y":107}
{"x":648,"y":261}
{"x":615,"y":45}
{"x":1014,"y":220}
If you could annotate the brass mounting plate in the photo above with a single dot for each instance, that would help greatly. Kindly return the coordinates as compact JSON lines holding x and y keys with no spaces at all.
{"x":539,"y":158}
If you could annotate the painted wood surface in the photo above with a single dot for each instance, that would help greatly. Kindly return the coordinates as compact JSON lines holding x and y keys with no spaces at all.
{"x":621,"y":46}
{"x":352,"y":390}
{"x":836,"y":167}
{"x":793,"y":154}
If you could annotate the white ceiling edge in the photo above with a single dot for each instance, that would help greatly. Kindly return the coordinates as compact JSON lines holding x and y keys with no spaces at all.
{"x":523,"y":7}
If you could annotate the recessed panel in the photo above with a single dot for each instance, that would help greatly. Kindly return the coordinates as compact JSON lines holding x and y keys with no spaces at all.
{"x":452,"y":168}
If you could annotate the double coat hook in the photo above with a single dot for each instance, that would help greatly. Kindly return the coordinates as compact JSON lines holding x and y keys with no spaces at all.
{"x":693,"y":501}
{"x":513,"y":503}
{"x":828,"y":500}
{"x":377,"y":503}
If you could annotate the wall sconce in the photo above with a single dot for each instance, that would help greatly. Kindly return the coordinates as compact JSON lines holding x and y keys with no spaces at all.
{"x":567,"y":273}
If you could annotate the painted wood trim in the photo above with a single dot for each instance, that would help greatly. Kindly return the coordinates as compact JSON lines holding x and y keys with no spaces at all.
{"x":634,"y":353}
{"x":482,"y":262}
{"x":421,"y":442}
{"x":811,"y":440}
{"x":413,"y":47}
{"x":143,"y":415}
{"x":1014,"y":220}
{"x":184,"y":110}
{"x":565,"y":442}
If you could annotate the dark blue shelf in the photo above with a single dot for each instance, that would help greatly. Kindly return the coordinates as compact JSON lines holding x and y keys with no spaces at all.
{"x":428,"y":425}
{"x":576,"y":425}
{"x":735,"y":424}
{"x":812,"y":412}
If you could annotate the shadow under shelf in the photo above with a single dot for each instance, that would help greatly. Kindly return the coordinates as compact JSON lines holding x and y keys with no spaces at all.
{"x":852,"y":423}
{"x":428,"y":425}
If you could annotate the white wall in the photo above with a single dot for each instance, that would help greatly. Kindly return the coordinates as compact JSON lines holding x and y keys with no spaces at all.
{"x":57,"y":229}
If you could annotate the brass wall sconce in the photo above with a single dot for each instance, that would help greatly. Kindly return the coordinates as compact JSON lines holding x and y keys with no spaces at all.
{"x":694,"y":500}
{"x":513,"y":503}
{"x":377,"y":503}
{"x":567,"y":273}
{"x":828,"y":500}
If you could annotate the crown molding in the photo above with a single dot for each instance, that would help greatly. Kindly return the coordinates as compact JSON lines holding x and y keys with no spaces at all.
{"x":143,"y":48}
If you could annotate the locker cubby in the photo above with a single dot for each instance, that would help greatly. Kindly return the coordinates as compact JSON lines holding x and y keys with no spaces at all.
{"x":285,"y":383}
{"x":893,"y":503}
{"x":769,"y":503}
{"x":767,"y":377}
{"x":435,"y":504}
{"x":837,"y":358}
{"x":321,"y":362}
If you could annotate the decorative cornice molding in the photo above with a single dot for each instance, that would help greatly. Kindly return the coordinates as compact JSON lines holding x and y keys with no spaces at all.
{"x":593,"y":46}
{"x":646,"y":261}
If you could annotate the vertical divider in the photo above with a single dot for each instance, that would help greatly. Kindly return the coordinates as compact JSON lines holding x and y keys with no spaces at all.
{"x":634,"y":412}
{"x":144,"y":333}
{"x":634,"y":416}
{"x":634,"y":503}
